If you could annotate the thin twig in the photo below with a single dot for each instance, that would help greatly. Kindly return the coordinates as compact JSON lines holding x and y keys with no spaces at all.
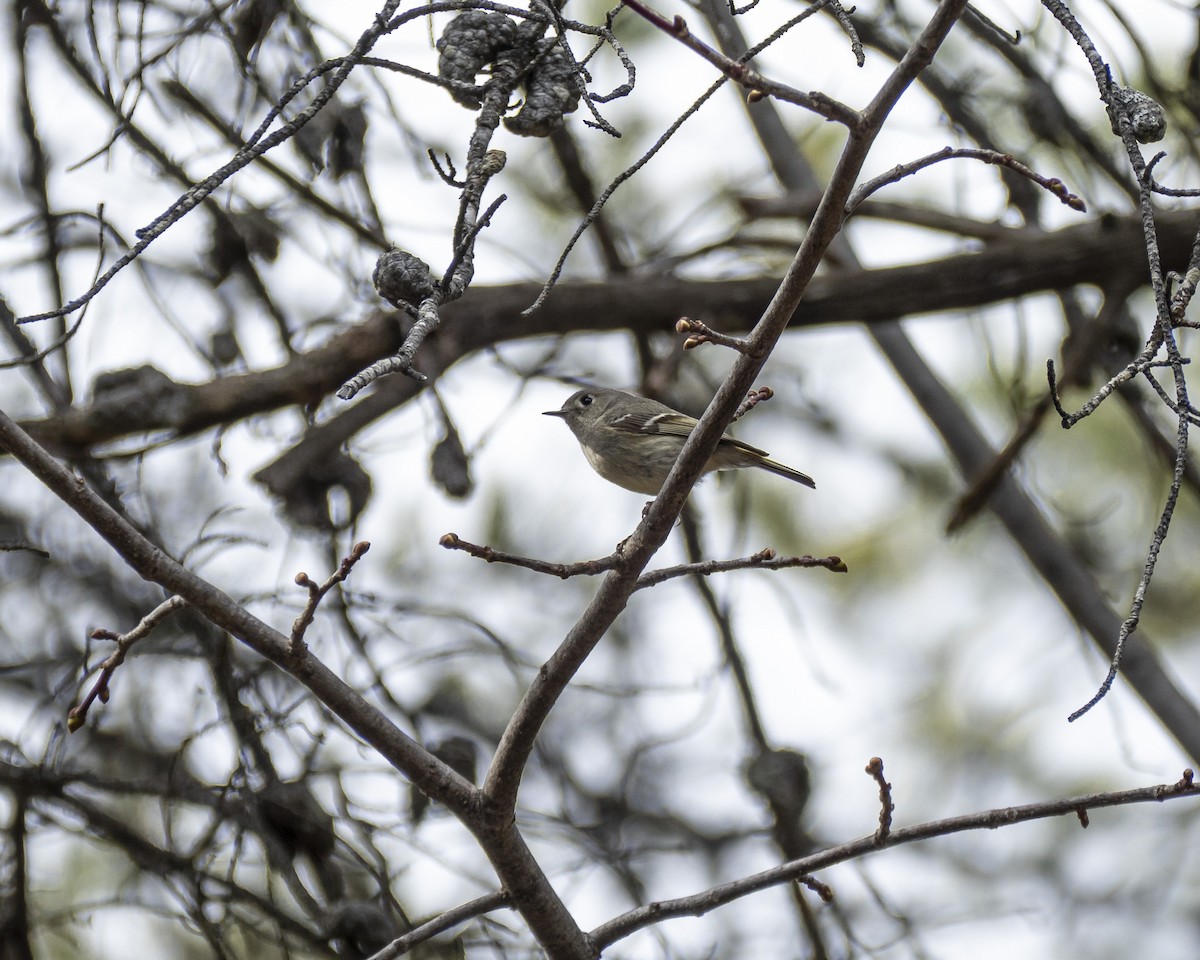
{"x":765,"y":559}
{"x":886,"y":805}
{"x":588,"y":568}
{"x":317,"y":591}
{"x":1136,"y":366}
{"x":699,"y":332}
{"x":1187,"y":287}
{"x":995,"y":157}
{"x":737,"y":70}
{"x":824,"y":891}
{"x":753,"y":399}
{"x":77,"y":715}
{"x":443,"y":922}
{"x":609,"y":190}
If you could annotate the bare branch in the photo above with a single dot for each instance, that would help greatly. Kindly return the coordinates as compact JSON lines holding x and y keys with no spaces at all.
{"x":754,"y":82}
{"x":1030,"y":262}
{"x":765,"y":559}
{"x":588,"y":568}
{"x":701,"y":903}
{"x":448,"y":920}
{"x":1051,"y":184}
{"x":517,"y":743}
{"x":432,"y":776}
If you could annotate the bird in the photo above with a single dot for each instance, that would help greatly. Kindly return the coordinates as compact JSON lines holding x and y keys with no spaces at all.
{"x":633,"y":441}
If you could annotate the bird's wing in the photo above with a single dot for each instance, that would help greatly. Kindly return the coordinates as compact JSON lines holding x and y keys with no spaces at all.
{"x":674,"y":424}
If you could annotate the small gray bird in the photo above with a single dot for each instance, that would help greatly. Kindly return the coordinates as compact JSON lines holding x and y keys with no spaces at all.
{"x":633,"y":442}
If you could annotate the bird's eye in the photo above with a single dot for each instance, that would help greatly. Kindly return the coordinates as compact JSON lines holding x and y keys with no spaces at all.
{"x":586,"y":400}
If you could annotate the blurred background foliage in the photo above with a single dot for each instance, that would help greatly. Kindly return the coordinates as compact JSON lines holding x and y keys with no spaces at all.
{"x":211,"y":808}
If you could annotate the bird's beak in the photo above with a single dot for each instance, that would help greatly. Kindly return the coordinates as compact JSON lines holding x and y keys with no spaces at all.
{"x":554,"y":413}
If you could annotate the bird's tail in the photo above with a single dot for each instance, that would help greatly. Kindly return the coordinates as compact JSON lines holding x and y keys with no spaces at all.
{"x":785,"y":471}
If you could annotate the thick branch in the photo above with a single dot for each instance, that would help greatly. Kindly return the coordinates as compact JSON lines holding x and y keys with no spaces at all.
{"x":151,"y":563}
{"x":518,"y":871}
{"x":1028,"y":263}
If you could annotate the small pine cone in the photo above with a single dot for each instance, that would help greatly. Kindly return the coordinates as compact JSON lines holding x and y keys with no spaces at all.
{"x":468,"y":44}
{"x":400,"y":277}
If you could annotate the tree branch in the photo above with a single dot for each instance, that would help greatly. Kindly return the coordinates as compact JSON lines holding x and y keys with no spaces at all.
{"x":517,"y":744}
{"x":1030,"y":262}
{"x":701,"y":903}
